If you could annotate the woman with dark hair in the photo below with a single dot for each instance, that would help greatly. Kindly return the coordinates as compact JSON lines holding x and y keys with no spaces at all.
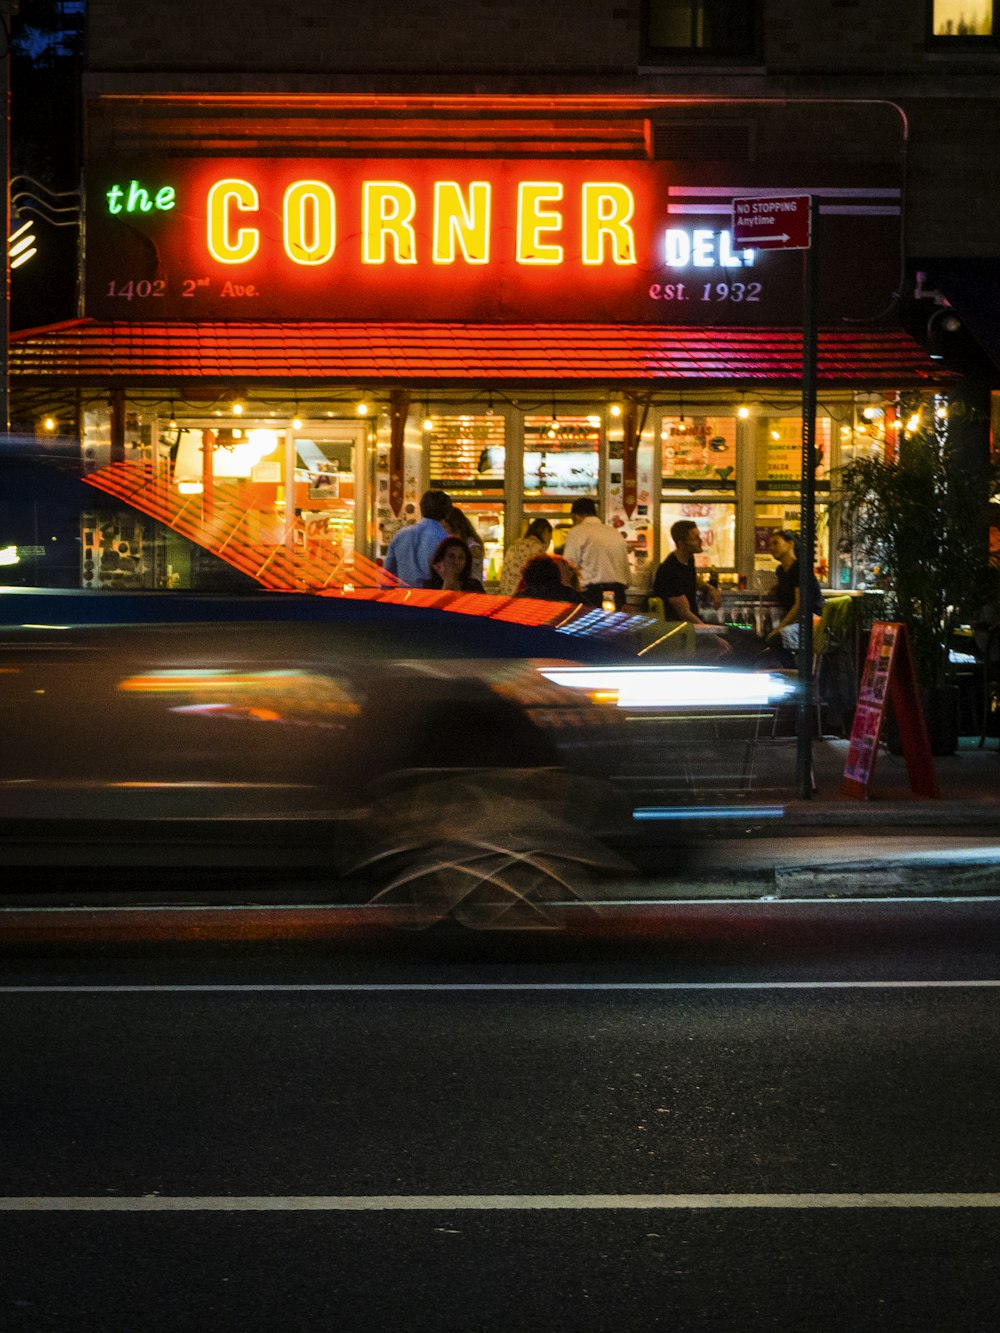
{"x":451,"y":566}
{"x":534,"y":542}
{"x":459,"y":525}
{"x":543,"y":579}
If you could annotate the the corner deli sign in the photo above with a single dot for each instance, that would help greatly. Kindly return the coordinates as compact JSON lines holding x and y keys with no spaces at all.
{"x":487,"y":241}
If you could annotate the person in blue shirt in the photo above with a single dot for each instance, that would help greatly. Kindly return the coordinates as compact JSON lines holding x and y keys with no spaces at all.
{"x":412,"y":549}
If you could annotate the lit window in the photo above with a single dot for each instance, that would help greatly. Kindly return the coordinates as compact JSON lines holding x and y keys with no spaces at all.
{"x":706,"y":29}
{"x":958,"y":21}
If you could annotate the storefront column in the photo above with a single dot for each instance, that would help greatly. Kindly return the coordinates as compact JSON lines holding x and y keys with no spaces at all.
{"x":290,"y":460}
{"x":746,"y":498}
{"x":513,"y":475}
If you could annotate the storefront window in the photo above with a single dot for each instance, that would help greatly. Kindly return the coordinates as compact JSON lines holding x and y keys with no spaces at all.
{"x":717,"y":524}
{"x":778,"y":449}
{"x":466,"y":457}
{"x":561,"y":463}
{"x":699,"y":447}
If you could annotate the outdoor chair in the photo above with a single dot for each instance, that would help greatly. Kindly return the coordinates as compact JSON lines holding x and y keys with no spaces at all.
{"x":833,"y":676}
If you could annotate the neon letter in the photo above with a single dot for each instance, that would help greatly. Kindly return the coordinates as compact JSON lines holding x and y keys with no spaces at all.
{"x":703,"y":248}
{"x":309,"y":212}
{"x":387,"y":210}
{"x":607,"y":210}
{"x":466,"y":222}
{"x":115,"y":199}
{"x":241,"y":245}
{"x":166,"y":198}
{"x":138,"y":198}
{"x":532,"y":219}
{"x":677,"y":248}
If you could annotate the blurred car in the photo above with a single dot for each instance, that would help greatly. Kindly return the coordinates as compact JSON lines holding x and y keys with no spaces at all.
{"x":414,"y":734}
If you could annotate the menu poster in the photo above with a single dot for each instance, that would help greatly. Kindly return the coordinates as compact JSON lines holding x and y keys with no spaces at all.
{"x":888,"y":674}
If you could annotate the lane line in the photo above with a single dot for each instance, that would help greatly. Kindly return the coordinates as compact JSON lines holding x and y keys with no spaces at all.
{"x":481,"y":1202}
{"x":527,"y":986}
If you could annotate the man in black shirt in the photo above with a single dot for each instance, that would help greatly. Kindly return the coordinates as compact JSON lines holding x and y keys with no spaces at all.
{"x":677,"y":581}
{"x":783,"y":639}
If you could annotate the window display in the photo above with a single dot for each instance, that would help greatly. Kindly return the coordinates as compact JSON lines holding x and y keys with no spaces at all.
{"x":699,"y":447}
{"x":716,"y":523}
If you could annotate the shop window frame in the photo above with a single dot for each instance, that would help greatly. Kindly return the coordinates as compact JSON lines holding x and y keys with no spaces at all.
{"x":655,"y":54}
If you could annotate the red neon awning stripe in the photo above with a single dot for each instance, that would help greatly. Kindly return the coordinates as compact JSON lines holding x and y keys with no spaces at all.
{"x":86,"y":352}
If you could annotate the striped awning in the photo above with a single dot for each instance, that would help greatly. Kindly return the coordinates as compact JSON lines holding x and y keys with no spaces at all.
{"x":84,"y":352}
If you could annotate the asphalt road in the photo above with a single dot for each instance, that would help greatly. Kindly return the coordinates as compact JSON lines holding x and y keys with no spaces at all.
{"x":781,"y":1117}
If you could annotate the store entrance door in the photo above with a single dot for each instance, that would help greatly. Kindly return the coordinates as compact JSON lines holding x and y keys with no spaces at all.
{"x":328,"y":516}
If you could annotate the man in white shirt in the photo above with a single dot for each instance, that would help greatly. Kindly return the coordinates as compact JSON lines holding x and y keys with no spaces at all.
{"x":600,"y":554}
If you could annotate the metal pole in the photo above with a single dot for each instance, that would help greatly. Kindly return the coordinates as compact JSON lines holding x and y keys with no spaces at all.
{"x":7,"y":9}
{"x":804,"y":720}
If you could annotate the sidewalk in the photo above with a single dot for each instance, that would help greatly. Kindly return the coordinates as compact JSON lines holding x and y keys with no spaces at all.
{"x":969,"y":782}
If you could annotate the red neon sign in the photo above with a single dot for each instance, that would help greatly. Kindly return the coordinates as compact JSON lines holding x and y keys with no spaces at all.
{"x":415,"y":239}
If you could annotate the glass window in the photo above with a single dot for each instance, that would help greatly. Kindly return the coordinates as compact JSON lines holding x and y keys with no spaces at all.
{"x":699,"y":447}
{"x":716,"y":523}
{"x":707,"y":28}
{"x":956,"y":19}
{"x":778,"y":448}
{"x":561,"y":456}
{"x":466,"y":455}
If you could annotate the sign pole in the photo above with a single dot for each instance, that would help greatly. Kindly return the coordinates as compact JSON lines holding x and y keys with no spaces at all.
{"x":804,"y":719}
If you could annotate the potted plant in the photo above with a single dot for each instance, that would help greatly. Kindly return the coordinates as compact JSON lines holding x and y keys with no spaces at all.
{"x":917,"y":511}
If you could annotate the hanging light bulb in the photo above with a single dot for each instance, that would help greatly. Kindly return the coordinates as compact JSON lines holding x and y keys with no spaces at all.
{"x":616,"y":409}
{"x":237,"y":409}
{"x":49,"y":423}
{"x":362,"y":409}
{"x":743,"y":411}
{"x":172,"y":423}
{"x":296,"y":419}
{"x":428,"y":423}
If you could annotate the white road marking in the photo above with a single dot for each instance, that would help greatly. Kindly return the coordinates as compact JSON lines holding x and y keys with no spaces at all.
{"x":155,"y":1203}
{"x":533,"y":986}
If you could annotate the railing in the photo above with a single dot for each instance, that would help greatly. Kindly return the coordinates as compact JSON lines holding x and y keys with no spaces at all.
{"x":240,"y":534}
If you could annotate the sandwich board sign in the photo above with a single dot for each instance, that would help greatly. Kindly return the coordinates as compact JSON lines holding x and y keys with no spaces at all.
{"x":888,"y":674}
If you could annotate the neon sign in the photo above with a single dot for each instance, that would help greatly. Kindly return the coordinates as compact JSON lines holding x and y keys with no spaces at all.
{"x":484,"y":241}
{"x":460,"y":222}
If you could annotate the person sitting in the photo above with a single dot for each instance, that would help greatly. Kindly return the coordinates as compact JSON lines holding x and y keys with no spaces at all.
{"x":570,"y":576}
{"x":534,"y":542}
{"x":783,"y":641}
{"x":542,"y":579}
{"x":451,"y":566}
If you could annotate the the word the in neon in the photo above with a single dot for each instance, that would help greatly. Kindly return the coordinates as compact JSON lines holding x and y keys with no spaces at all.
{"x":703,"y":249}
{"x":137,"y":199}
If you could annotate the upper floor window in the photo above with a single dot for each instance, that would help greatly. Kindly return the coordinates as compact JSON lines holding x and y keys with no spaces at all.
{"x":955,"y":21}
{"x":703,"y":30}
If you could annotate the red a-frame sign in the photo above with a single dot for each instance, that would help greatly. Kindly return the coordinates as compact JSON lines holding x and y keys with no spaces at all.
{"x":889,"y":674}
